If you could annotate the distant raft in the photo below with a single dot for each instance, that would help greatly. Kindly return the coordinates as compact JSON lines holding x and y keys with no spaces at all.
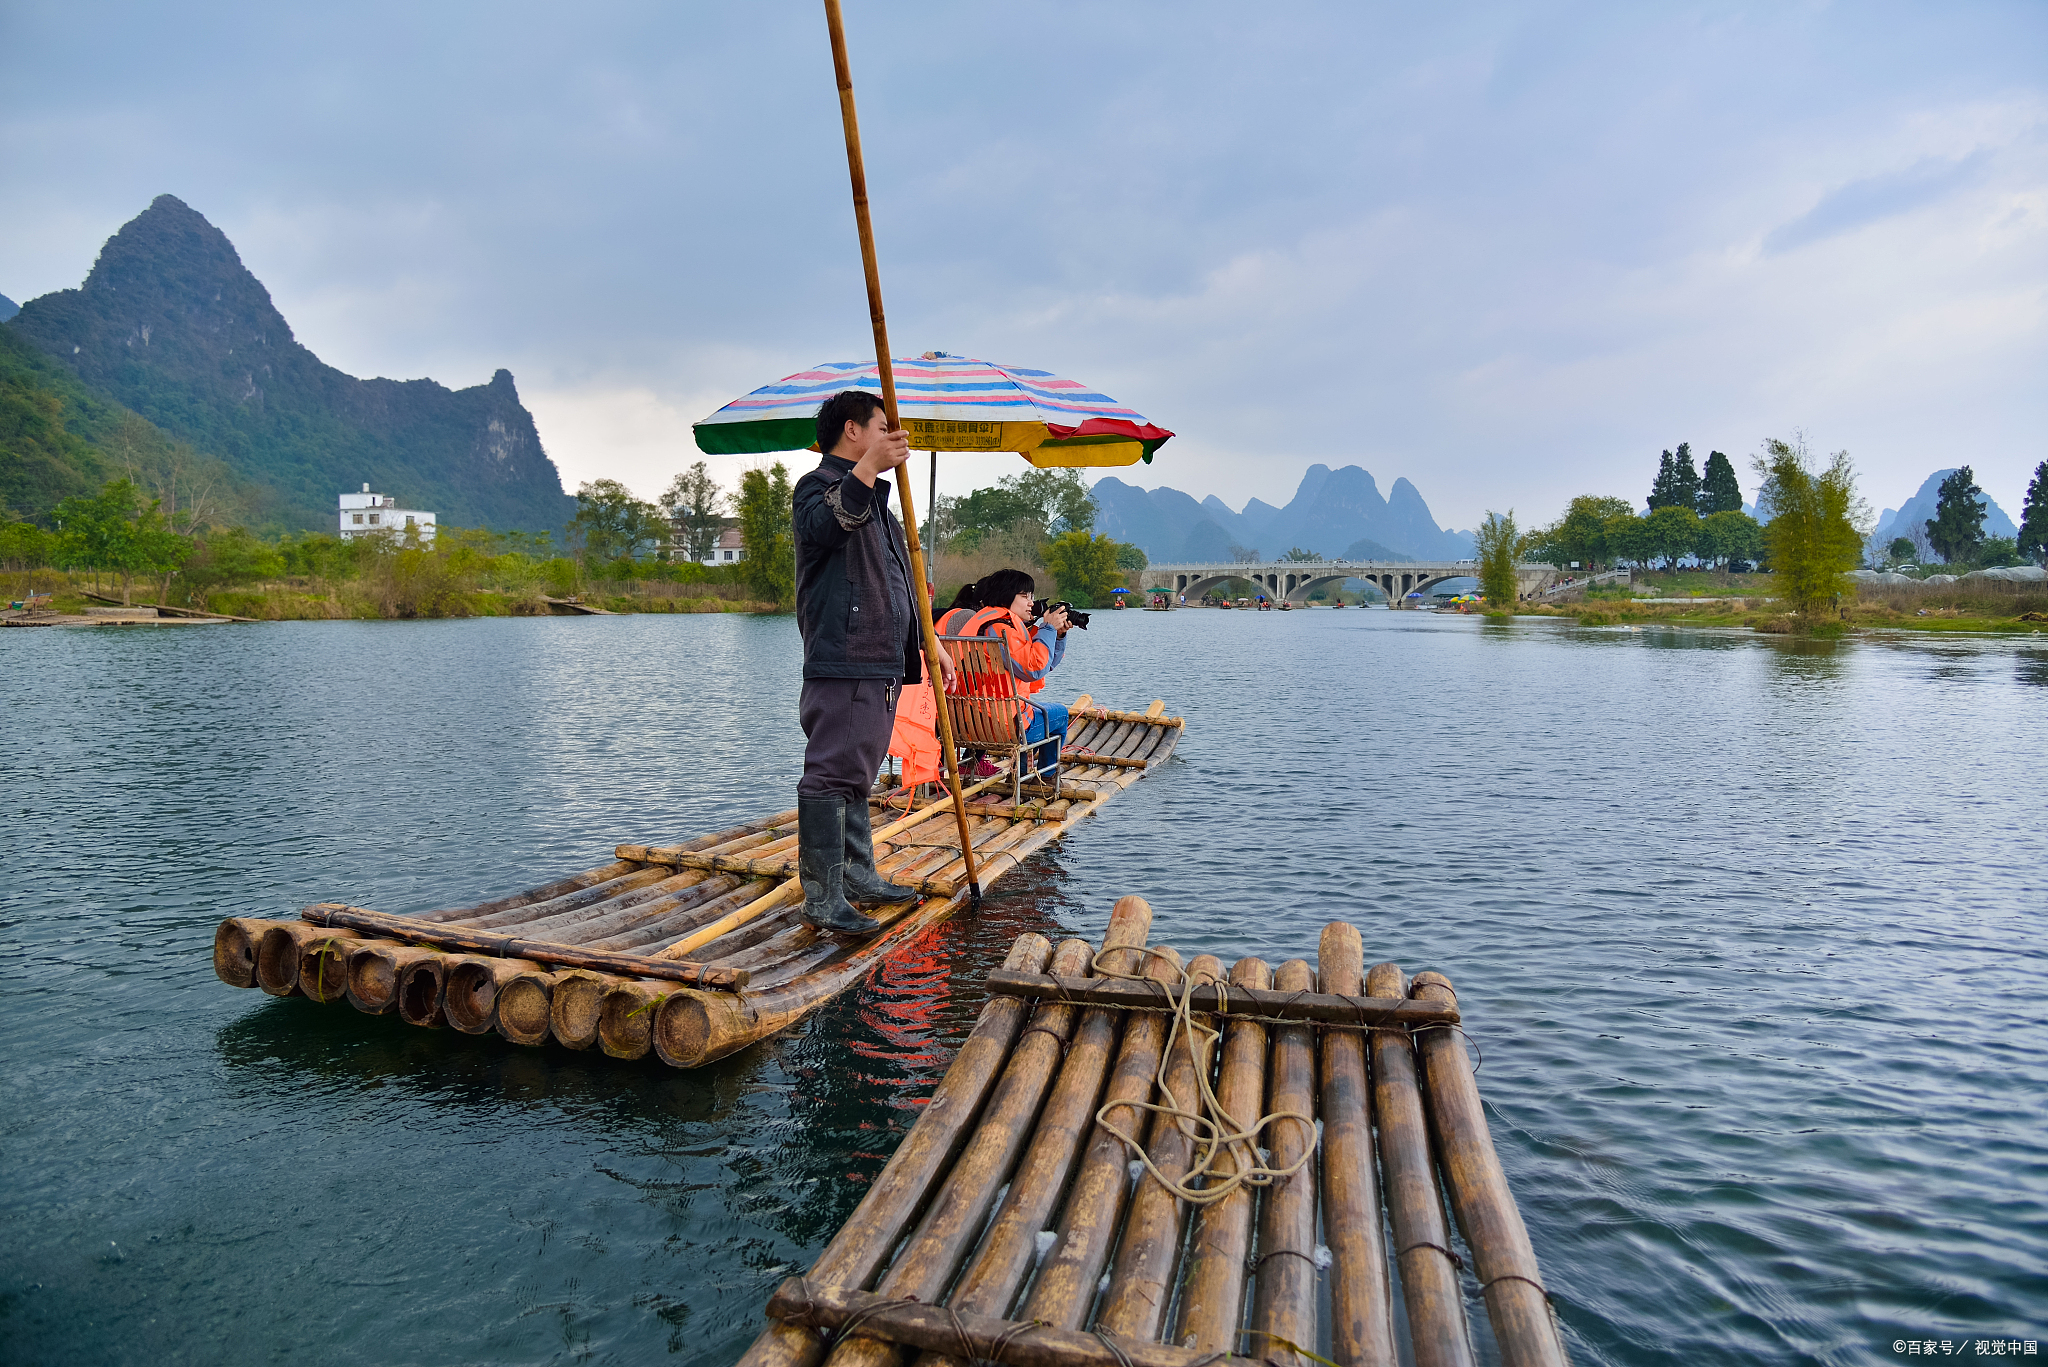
{"x":1135,"y":1162}
{"x":692,"y":950}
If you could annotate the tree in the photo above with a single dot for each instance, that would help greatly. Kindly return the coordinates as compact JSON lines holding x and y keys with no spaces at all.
{"x":1672,"y":532}
{"x":1728,"y":536}
{"x":2033,"y":537}
{"x":1058,"y":498}
{"x":611,"y":523}
{"x":115,"y":531}
{"x":1685,"y":480}
{"x":1812,"y":540}
{"x":1496,"y":545}
{"x":1957,"y":528}
{"x":1580,"y":536}
{"x":1998,"y":552}
{"x":1130,"y":558}
{"x":767,"y":526}
{"x":1719,"y":493}
{"x":25,"y":546}
{"x":1901,"y":550}
{"x":694,"y":506}
{"x":1660,"y":487}
{"x":1627,"y":539}
{"x":1244,"y":555}
{"x":1085,"y":566}
{"x":987,"y":511}
{"x":1297,"y":556}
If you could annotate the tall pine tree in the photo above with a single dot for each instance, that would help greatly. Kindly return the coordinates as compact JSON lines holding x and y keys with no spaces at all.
{"x":1685,"y":480}
{"x":1719,"y":493}
{"x":1957,"y":529}
{"x":1660,"y":489}
{"x":2034,"y":518}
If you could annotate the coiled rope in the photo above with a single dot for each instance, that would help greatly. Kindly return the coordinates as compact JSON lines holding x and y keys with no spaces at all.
{"x":1226,"y":1156}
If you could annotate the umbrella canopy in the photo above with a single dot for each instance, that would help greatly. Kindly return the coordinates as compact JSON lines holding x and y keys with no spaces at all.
{"x":947,"y":403}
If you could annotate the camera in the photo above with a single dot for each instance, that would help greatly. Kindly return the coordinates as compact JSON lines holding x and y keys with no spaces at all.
{"x":1039,"y":607}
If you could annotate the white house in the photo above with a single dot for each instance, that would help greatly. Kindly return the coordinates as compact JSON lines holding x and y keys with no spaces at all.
{"x":368,"y":512}
{"x":728,"y":549}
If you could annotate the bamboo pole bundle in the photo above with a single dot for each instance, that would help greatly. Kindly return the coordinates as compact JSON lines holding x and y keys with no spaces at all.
{"x":1361,"y":1295}
{"x":1503,"y":1259}
{"x":1284,"y":1302}
{"x":800,"y":1302}
{"x":574,"y":1006}
{"x":993,"y":1279}
{"x":234,"y":948}
{"x":523,"y":1007}
{"x":373,"y":973}
{"x":277,"y":954}
{"x":469,"y":993}
{"x":509,"y":947}
{"x":1141,"y":1280}
{"x":1212,"y":1303}
{"x":858,"y":1251}
{"x":513,"y":902}
{"x":630,"y":923}
{"x":1067,"y":1275}
{"x":539,"y":913}
{"x":1422,"y":1240}
{"x":714,"y":841}
{"x":419,"y":991}
{"x":957,"y":1212}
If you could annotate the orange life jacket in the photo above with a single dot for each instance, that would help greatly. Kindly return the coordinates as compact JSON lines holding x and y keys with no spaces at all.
{"x":1029,"y":657}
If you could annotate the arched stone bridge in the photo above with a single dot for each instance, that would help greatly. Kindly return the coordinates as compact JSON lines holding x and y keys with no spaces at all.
{"x":1291,"y":580}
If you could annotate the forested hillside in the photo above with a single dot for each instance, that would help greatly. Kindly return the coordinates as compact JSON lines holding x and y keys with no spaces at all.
{"x":171,"y":324}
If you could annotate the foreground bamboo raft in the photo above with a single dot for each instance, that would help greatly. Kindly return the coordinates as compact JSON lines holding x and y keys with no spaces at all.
{"x":1014,"y":1225}
{"x":692,"y":950}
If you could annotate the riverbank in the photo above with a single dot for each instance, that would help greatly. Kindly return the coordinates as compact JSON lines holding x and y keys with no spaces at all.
{"x":359,"y":600}
{"x":1974,"y":606}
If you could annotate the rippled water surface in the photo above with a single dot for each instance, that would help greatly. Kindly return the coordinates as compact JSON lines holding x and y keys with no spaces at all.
{"x":1750,"y":933}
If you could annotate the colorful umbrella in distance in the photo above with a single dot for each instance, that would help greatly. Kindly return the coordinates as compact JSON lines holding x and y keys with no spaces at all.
{"x":947,"y":403}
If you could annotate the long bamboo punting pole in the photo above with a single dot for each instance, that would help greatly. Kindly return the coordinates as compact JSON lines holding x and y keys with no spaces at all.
{"x":858,"y":1251}
{"x":1284,"y":1305}
{"x":856,"y":170}
{"x":799,"y":1301}
{"x":1212,"y":1303}
{"x":943,"y":1237}
{"x":1067,"y":1276}
{"x":1141,"y":1282}
{"x":992,"y":1280}
{"x":1502,"y":1256}
{"x":1415,"y":1208}
{"x":1361,"y":1295}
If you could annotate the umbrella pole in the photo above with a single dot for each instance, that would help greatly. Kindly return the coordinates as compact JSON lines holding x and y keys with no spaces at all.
{"x":931,"y":507}
{"x":856,"y":169}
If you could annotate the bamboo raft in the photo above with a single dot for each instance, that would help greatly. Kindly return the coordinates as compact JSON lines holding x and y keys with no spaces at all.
{"x":692,"y":950}
{"x":1014,"y":1225}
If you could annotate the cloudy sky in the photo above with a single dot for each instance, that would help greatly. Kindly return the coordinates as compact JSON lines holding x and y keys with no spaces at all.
{"x":1508,"y":251}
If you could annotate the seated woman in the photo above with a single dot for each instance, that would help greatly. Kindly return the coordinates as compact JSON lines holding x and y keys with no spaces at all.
{"x":1036,"y":648}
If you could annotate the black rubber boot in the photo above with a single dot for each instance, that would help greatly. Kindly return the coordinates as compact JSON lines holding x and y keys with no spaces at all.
{"x":821,"y":867}
{"x":863,"y":883}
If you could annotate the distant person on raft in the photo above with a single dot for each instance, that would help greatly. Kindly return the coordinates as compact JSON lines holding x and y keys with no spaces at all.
{"x":858,"y":618}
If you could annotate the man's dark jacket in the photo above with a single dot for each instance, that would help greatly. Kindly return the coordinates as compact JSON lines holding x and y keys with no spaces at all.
{"x":853,"y":601}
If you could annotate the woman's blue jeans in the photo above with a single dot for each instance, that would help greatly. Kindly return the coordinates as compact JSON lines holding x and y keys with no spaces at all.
{"x":1047,"y":719}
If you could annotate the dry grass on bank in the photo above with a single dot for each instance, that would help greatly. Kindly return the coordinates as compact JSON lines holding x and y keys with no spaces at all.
{"x":1979,"y":605}
{"x":1007,"y":551}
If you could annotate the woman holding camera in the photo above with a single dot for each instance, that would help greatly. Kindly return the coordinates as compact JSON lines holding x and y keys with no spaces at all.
{"x":1037,"y":643}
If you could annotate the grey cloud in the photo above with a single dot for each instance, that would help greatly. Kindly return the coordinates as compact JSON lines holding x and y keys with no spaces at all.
{"x":1874,"y":199}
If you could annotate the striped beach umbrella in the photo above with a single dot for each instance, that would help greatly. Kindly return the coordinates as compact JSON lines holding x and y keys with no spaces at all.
{"x":946,"y":403}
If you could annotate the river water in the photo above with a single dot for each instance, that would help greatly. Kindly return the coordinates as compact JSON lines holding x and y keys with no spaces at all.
{"x":1750,"y":933}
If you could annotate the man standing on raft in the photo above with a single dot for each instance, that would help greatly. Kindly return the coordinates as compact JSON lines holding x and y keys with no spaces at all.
{"x":858,"y":618}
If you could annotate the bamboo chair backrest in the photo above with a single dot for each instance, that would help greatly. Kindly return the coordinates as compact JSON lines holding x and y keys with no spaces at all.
{"x":987,"y":710}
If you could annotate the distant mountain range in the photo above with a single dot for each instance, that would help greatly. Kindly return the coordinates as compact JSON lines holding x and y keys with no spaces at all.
{"x":1910,"y":521}
{"x":1335,"y":513}
{"x":172,"y":325}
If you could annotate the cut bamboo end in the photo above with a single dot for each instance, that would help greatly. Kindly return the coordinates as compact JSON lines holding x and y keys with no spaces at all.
{"x":323,"y":966}
{"x":420,"y":989}
{"x":693,"y":1028}
{"x":470,"y":995}
{"x":574,"y":1006}
{"x":374,"y":969}
{"x":234,"y":948}
{"x":625,"y":1018}
{"x":523,"y":1008}
{"x":277,"y":954}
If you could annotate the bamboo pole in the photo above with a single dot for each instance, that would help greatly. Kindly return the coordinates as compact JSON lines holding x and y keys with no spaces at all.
{"x":625,"y":1017}
{"x":1361,"y":1296}
{"x":1322,"y":1007}
{"x":1510,"y":1282}
{"x":373,"y":973}
{"x":785,"y":895}
{"x":1068,"y":1274}
{"x":234,"y":948}
{"x":575,"y":892}
{"x":523,"y":1006}
{"x":800,"y":1301}
{"x":858,"y":1251}
{"x":508,"y":947}
{"x":277,"y":954}
{"x":574,"y":1004}
{"x":856,"y":170}
{"x":1141,"y":1281}
{"x":323,"y":966}
{"x":1212,"y":1304}
{"x":469,"y":995}
{"x":1415,"y":1208}
{"x":992,"y":1280}
{"x":419,"y":991}
{"x":1284,"y":1303}
{"x":934,"y":1251}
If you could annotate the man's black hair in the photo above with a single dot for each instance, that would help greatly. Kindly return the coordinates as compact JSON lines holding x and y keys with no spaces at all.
{"x":1000,"y":589}
{"x":856,"y":405}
